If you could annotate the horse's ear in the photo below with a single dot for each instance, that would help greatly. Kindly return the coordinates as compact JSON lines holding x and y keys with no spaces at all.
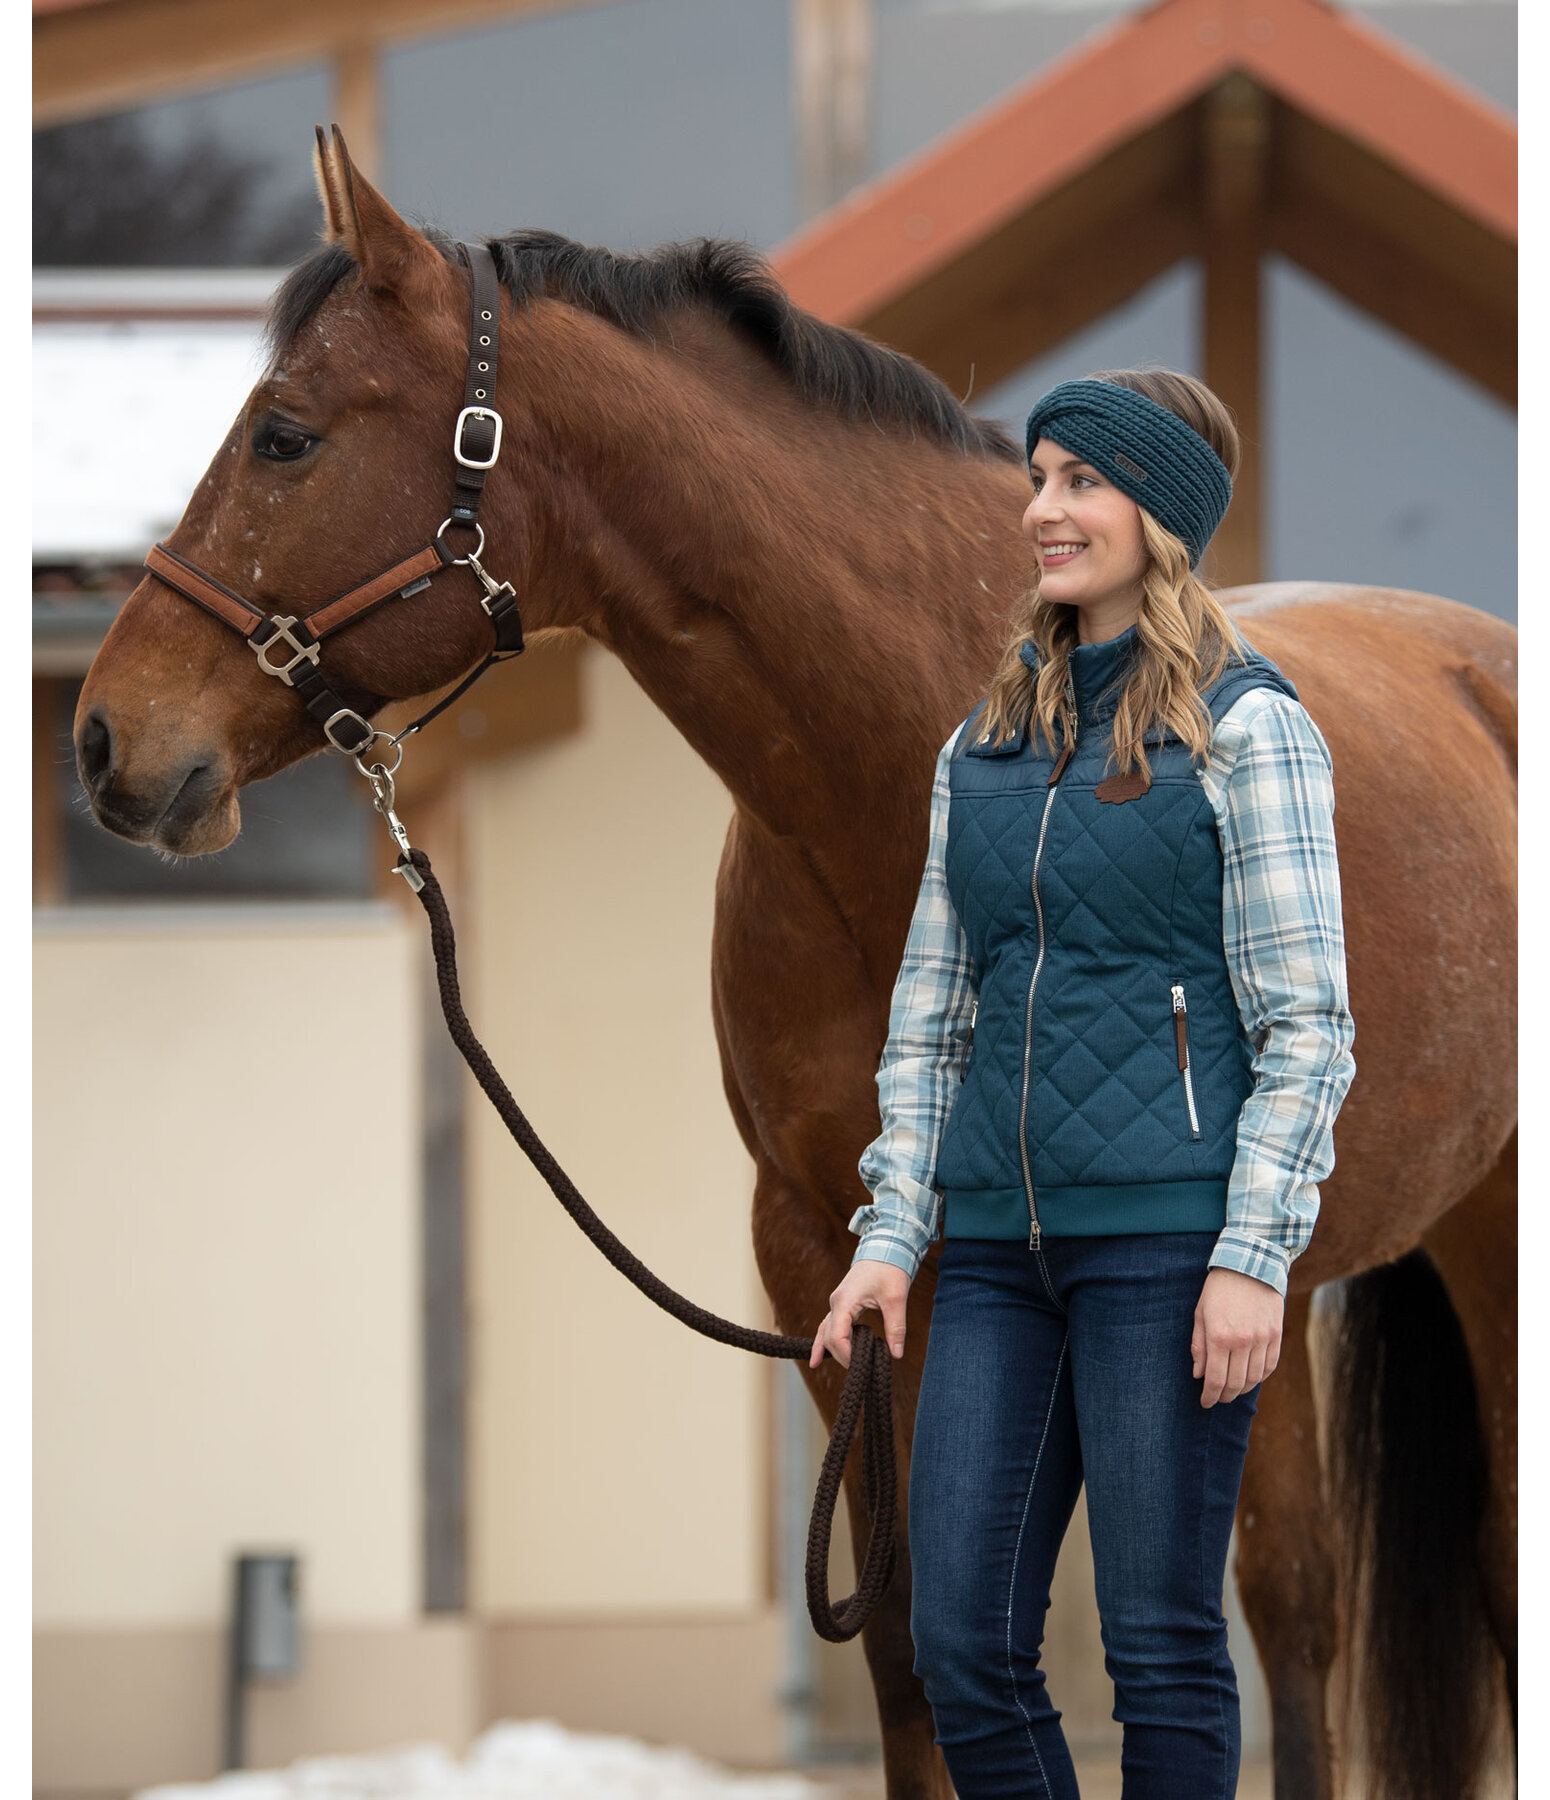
{"x":393,"y":255}
{"x":329,"y":191}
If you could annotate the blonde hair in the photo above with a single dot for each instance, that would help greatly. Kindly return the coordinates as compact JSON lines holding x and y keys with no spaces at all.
{"x":1184,"y":637}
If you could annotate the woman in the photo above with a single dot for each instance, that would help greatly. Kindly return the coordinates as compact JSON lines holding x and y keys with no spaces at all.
{"x":1118,"y":1042}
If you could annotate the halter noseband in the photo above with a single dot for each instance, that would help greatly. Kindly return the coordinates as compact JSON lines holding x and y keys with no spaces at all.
{"x":289,"y":647}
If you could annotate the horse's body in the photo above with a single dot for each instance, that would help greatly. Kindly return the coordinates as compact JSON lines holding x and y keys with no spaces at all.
{"x":811,"y":572}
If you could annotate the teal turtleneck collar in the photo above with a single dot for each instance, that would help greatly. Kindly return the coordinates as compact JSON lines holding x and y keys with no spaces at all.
{"x":1094,"y":667}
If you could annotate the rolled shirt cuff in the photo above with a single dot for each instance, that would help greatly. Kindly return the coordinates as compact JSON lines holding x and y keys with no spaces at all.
{"x":1252,"y":1255}
{"x":889,"y":1237}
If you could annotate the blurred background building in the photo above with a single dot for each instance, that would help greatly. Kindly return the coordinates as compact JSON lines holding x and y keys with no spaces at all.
{"x":357,"y":1328}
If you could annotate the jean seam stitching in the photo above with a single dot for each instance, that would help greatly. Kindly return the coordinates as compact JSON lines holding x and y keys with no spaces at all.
{"x":1044,"y":1276}
{"x":1200,"y":1526}
{"x":1022,"y":1525}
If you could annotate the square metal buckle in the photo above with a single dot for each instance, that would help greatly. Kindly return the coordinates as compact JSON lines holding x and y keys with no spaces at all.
{"x":300,"y":652}
{"x":477,"y":412}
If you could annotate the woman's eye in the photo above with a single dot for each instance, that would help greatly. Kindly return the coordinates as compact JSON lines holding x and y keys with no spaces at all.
{"x":281,"y":443}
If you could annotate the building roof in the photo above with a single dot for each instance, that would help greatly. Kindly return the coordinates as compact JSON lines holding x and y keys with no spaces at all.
{"x":1379,"y":174}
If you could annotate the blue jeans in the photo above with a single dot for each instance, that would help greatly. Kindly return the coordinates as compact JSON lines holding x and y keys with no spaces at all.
{"x":1045,"y":1369}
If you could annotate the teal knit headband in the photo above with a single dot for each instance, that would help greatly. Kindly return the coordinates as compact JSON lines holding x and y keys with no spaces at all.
{"x":1145,"y":450}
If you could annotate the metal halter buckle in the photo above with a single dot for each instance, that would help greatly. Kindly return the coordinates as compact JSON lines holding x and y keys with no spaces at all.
{"x":300,"y":652}
{"x":477,"y":412}
{"x":361,"y":743}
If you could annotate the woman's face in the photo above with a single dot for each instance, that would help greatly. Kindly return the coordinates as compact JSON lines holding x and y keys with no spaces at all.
{"x":1091,"y":550}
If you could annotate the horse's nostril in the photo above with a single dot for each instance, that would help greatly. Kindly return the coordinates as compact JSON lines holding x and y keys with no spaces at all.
{"x":94,"y":748}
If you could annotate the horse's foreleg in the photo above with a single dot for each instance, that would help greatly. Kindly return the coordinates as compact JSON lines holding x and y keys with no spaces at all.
{"x":1285,"y":1567}
{"x":1475,"y":1248}
{"x":800,"y":1271}
{"x":912,"y":1765}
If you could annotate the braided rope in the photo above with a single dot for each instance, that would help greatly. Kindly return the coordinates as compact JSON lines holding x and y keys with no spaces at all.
{"x":867,"y":1399}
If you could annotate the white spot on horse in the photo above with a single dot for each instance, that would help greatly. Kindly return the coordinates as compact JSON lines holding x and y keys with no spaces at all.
{"x":258,"y":573}
{"x":985,"y":585}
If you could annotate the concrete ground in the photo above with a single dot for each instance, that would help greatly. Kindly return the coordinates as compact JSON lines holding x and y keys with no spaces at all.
{"x":1097,"y":1774}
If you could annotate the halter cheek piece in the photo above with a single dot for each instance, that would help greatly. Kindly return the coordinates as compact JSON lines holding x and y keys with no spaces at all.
{"x":289,"y":647}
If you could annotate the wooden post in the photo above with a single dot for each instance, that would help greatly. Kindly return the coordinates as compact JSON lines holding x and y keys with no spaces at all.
{"x":831,"y":68}
{"x":48,"y":850}
{"x":1236,"y":147}
{"x":357,"y":105}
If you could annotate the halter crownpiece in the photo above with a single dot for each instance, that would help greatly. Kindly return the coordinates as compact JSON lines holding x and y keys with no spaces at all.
{"x":1147,"y":451}
{"x":288,"y":647}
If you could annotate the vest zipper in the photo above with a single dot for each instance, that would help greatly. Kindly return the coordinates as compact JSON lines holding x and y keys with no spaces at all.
{"x":1181,"y":1040}
{"x":1068,"y":734}
{"x":968,"y":1044}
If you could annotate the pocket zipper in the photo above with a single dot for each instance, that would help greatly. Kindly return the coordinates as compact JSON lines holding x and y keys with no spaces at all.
{"x":968,"y":1044}
{"x":1181,"y":1039}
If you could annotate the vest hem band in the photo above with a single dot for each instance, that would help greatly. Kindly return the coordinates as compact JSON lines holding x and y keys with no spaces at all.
{"x":1114,"y":1210}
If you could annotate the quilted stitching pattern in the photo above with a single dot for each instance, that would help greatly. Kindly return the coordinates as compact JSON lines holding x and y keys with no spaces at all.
{"x":1131,"y":897}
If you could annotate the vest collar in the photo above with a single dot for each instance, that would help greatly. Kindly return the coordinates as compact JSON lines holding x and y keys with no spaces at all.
{"x":1095,"y":668}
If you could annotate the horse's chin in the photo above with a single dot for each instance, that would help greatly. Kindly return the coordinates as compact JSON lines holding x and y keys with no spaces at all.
{"x":197,"y":822}
{"x":203,"y":832}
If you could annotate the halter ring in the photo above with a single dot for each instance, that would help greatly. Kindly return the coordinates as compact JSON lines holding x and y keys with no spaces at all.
{"x":462,"y":562}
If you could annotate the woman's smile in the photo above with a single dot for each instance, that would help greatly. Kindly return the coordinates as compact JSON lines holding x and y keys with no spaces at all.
{"x":1052,"y":555}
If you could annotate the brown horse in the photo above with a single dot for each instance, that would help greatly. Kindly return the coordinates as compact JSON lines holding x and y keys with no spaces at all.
{"x":807,"y":553}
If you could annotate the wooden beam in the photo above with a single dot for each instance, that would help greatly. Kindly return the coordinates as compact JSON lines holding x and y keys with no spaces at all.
{"x":1235,"y":146}
{"x":1444,"y":317}
{"x":117,"y":54}
{"x":358,"y":104}
{"x":48,"y":837}
{"x":1314,"y":167}
{"x":831,"y":53}
{"x":1085,"y":247}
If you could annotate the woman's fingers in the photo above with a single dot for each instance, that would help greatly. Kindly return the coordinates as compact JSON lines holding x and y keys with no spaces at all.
{"x":839,"y":1334}
{"x":891,"y":1305}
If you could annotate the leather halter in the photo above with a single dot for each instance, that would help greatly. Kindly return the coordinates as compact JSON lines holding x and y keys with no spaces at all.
{"x":289,"y":647}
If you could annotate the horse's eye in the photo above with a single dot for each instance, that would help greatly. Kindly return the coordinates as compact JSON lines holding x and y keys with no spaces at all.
{"x":281,"y":443}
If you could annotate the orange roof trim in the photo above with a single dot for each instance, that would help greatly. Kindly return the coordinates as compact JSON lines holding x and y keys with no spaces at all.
{"x":894,"y":232}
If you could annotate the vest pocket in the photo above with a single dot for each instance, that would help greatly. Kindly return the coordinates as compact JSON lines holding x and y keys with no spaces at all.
{"x":1181,"y":1044}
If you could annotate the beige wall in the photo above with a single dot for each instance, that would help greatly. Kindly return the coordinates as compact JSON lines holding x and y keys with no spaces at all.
{"x":620,"y":1464}
{"x":225,"y":1244}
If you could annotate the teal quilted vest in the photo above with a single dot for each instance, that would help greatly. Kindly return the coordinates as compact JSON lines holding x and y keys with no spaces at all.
{"x":1108,"y":1064}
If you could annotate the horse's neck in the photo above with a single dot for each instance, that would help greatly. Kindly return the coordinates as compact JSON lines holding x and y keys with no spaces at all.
{"x":812,"y":603}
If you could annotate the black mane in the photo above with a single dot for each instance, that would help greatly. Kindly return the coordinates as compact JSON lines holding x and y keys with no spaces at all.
{"x":828,"y":365}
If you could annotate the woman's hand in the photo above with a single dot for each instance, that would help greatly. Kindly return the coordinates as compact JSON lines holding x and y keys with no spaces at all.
{"x":1237,"y":1339}
{"x":867,"y":1285}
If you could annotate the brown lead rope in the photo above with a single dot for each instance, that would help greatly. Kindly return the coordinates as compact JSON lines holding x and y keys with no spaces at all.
{"x":868,"y":1394}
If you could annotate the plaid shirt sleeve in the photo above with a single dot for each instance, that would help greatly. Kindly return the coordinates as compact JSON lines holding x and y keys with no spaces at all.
{"x":1269,"y":782}
{"x":917,"y":1080}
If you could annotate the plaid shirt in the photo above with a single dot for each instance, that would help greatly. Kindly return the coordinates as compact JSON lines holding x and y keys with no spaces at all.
{"x":1268,"y":779}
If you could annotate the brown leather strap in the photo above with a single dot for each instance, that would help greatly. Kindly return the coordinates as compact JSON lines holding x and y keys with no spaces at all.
{"x":333,"y":613}
{"x":477,"y":437}
{"x":193,"y":584}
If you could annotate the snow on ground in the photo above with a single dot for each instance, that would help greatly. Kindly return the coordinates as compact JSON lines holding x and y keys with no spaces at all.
{"x":533,"y":1760}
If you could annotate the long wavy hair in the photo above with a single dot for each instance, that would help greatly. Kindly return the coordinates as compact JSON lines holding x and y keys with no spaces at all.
{"x":1184,"y":637}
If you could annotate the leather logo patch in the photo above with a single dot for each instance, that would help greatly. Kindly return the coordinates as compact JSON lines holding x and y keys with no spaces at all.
{"x":1129,"y":466}
{"x":1118,"y":788}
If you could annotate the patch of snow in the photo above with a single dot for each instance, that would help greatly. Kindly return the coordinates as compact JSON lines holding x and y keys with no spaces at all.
{"x":531,"y":1760}
{"x":126,"y":417}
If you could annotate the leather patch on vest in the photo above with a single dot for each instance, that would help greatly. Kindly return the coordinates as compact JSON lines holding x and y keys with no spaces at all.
{"x":1129,"y":786}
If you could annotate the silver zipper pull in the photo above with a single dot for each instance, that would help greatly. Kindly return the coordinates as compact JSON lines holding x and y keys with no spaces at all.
{"x":1178,"y":997}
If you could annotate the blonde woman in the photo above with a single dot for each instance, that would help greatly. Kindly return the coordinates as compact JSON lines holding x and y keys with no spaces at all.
{"x":1118,"y":1042}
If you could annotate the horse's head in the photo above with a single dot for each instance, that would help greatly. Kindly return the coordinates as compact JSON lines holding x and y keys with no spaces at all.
{"x":339,"y":465}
